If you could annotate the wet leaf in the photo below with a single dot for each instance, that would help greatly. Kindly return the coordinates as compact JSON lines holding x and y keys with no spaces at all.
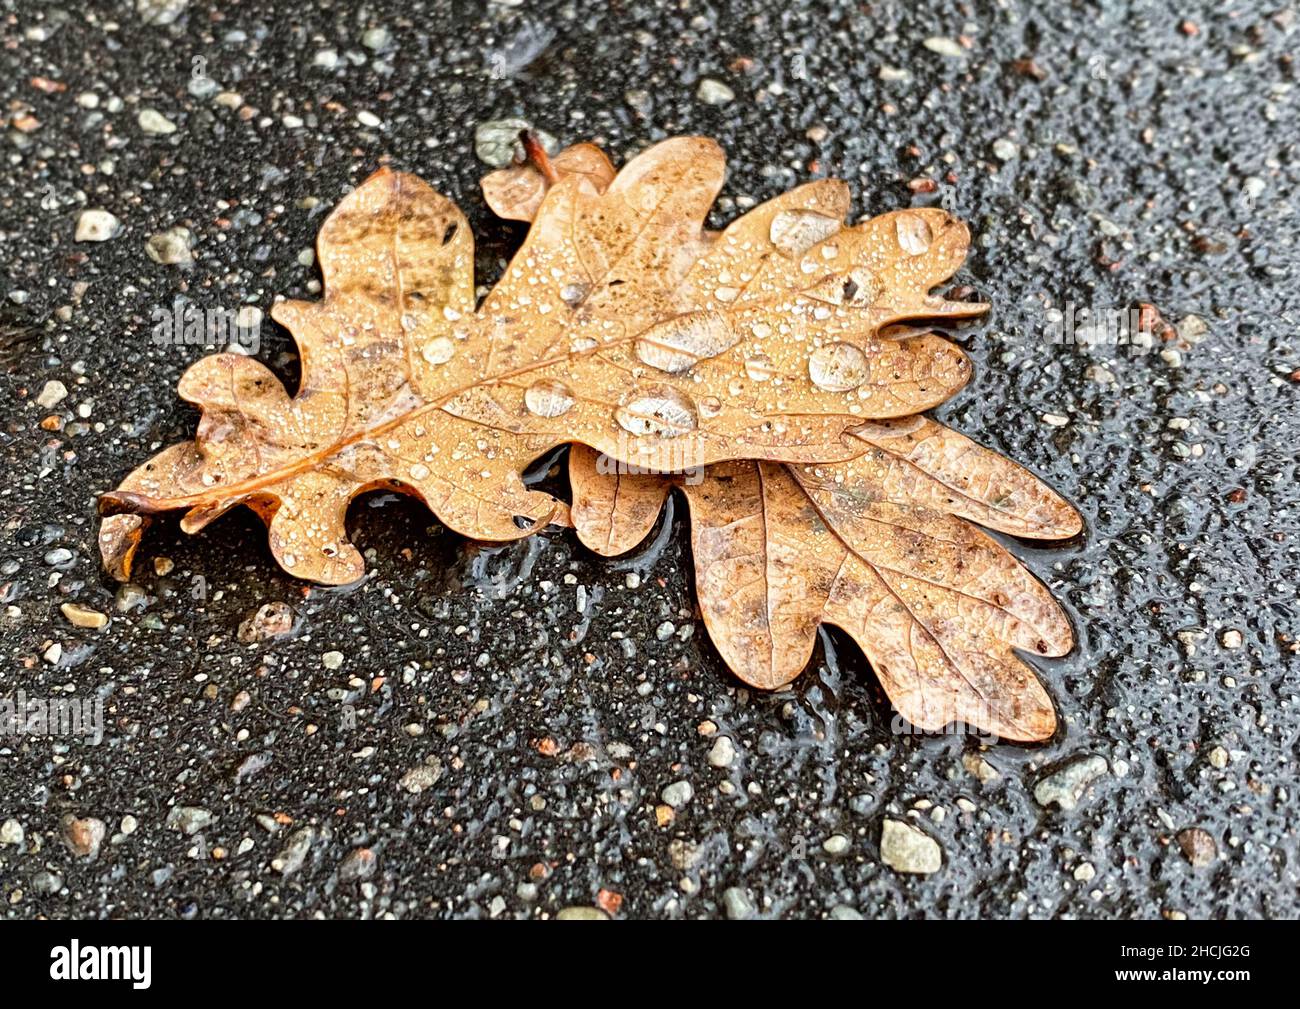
{"x":621,"y":325}
{"x":879,"y":546}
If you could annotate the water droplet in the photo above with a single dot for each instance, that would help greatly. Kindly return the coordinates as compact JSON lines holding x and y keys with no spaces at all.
{"x":758,"y":367}
{"x":794,"y":232}
{"x":660,"y":410}
{"x":710,"y":406}
{"x":914,"y":234}
{"x":837,"y":367}
{"x":548,"y":398}
{"x":573,"y":294}
{"x":862,"y":288}
{"x":419,"y":471}
{"x":675,"y":345}
{"x":859,"y":288}
{"x":726,"y":293}
{"x":439,"y":350}
{"x":584,"y":343}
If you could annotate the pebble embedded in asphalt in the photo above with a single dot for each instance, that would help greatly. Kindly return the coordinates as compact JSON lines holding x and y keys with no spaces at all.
{"x":96,"y":226}
{"x":1066,"y":786}
{"x":678,"y":794}
{"x":905,"y":848}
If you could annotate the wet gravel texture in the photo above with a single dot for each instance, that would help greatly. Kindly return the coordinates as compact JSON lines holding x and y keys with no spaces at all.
{"x":481,"y":731}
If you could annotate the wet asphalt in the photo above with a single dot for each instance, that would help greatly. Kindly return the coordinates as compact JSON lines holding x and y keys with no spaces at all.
{"x":488,"y":731}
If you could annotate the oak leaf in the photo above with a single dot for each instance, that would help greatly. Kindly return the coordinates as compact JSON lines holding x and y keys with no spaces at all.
{"x":621,"y":324}
{"x":881,"y":545}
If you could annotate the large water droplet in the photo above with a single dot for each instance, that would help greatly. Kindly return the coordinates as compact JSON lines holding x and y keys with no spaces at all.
{"x":862,"y":288}
{"x":439,"y":350}
{"x":837,"y":367}
{"x":573,"y":294}
{"x":675,"y":345}
{"x":794,"y":232}
{"x":914,"y":235}
{"x":548,"y":398}
{"x":660,"y":410}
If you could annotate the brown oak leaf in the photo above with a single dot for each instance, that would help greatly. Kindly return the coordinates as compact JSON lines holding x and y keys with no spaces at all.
{"x":620,"y":324}
{"x":881,"y":545}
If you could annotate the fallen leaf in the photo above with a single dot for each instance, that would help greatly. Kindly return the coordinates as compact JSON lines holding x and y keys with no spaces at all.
{"x":878,"y":546}
{"x":882,"y":546}
{"x":621,"y":324}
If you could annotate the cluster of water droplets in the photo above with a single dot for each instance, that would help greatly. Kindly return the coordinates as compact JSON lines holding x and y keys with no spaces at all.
{"x":676,"y":345}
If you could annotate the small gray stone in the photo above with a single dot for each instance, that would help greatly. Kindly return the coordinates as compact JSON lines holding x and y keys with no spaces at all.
{"x":58,"y":556}
{"x":905,"y":848}
{"x":979,"y":767}
{"x":736,"y":901}
{"x":581,"y":914}
{"x":1192,"y":328}
{"x":683,"y":854}
{"x":1005,"y":150}
{"x":52,"y":394}
{"x":171,"y":247}
{"x":188,"y":819}
{"x":160,"y":12}
{"x":47,"y":882}
{"x":842,"y":912}
{"x":945,"y":47}
{"x":202,"y":86}
{"x":639,"y":101}
{"x":154,"y":122}
{"x":376,"y":39}
{"x":712,"y":92}
{"x":12,"y":833}
{"x":358,"y":864}
{"x":723,"y":752}
{"x":426,"y":775}
{"x":97,"y":226}
{"x":678,"y":794}
{"x":290,"y":860}
{"x":836,"y":844}
{"x":1066,"y":786}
